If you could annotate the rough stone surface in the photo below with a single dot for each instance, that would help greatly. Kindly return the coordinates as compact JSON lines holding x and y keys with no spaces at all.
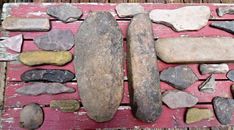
{"x":44,"y":88}
{"x":178,"y":99}
{"x":208,"y":86}
{"x":31,"y":117}
{"x":225,"y":10}
{"x":213,"y":68}
{"x":65,"y":105}
{"x":232,"y":90}
{"x":5,"y":56}
{"x":99,"y":65}
{"x":182,"y":19}
{"x":143,"y":74}
{"x":13,"y":43}
{"x":223,"y":108}
{"x":195,"y":115}
{"x":49,"y":75}
{"x":227,"y":26}
{"x":179,"y":77}
{"x":56,"y":40}
{"x":129,"y":9}
{"x":178,"y":50}
{"x":26,"y":24}
{"x":32,"y":58}
{"x":65,"y":12}
{"x":230,"y":75}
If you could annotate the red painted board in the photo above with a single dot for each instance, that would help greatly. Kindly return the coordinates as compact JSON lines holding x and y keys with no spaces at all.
{"x":56,"y":120}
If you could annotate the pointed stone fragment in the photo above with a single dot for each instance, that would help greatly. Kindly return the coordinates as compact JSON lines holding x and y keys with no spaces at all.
{"x":178,"y":50}
{"x":223,"y":108}
{"x":213,"y":68}
{"x":178,"y":99}
{"x":65,"y":105}
{"x":13,"y":43}
{"x":65,"y":12}
{"x":99,"y":65}
{"x":49,"y":75}
{"x":187,"y":18}
{"x":197,"y":114}
{"x":32,"y":58}
{"x":129,"y":9}
{"x":143,"y":74}
{"x":225,"y":10}
{"x":44,"y":88}
{"x":208,"y":86}
{"x":55,"y":40}
{"x":179,"y":77}
{"x":227,"y":26}
{"x":230,"y":75}
{"x":26,"y":24}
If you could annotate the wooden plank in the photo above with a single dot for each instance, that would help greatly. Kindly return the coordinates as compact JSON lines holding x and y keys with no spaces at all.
{"x":211,"y":1}
{"x":2,"y":83}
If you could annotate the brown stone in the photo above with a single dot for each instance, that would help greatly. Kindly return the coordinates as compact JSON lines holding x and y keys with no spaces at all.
{"x":99,"y":65}
{"x":197,"y":114}
{"x":143,"y":74}
{"x":65,"y":105}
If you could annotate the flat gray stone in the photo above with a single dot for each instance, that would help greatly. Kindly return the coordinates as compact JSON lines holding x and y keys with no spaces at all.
{"x":65,"y":12}
{"x":187,"y":18}
{"x":13,"y":43}
{"x":129,"y":9}
{"x":179,"y":77}
{"x":227,"y":26}
{"x":99,"y":65}
{"x":230,"y":75}
{"x":208,"y":86}
{"x":225,"y":10}
{"x":204,"y":50}
{"x":213,"y":68}
{"x":144,"y":75}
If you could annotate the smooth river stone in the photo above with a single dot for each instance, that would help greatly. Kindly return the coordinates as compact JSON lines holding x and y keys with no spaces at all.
{"x":198,"y":114}
{"x":178,"y":99}
{"x":230,"y":75}
{"x":65,"y":12}
{"x":26,"y":24}
{"x":187,"y":18}
{"x":225,"y":10}
{"x":143,"y":75}
{"x":99,"y":65}
{"x":44,"y":88}
{"x":32,"y":58}
{"x":13,"y":43}
{"x":223,"y":108}
{"x":55,"y":40}
{"x":129,"y":9}
{"x":179,"y":77}
{"x":48,"y":75}
{"x":208,"y":86}
{"x":195,"y":50}
{"x":65,"y":105}
{"x":31,"y":116}
{"x":227,"y":26}
{"x":213,"y":68}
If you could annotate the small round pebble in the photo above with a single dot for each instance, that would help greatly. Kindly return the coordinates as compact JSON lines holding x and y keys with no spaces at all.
{"x":230,"y":75}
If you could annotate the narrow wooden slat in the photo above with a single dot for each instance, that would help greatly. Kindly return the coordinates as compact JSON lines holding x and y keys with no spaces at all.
{"x":156,"y":1}
{"x":136,"y":1}
{"x":118,"y":1}
{"x":227,"y":1}
{"x":2,"y":83}
{"x":174,"y":1}
{"x":75,"y":1}
{"x":211,"y":1}
{"x":193,"y":1}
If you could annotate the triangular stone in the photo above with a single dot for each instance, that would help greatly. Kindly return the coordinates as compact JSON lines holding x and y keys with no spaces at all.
{"x":208,"y":86}
{"x":227,"y":26}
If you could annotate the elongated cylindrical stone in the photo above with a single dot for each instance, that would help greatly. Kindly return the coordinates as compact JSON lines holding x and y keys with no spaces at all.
{"x":99,"y":65}
{"x":143,"y":74}
{"x":214,"y":68}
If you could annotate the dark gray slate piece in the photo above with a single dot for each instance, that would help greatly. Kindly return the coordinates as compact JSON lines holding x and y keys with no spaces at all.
{"x":225,"y":10}
{"x":227,"y":26}
{"x":230,"y":75}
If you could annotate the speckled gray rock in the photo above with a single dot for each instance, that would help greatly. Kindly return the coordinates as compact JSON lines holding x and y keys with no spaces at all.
{"x":213,"y":68}
{"x":230,"y":75}
{"x":44,"y":88}
{"x":227,"y":26}
{"x":129,"y":9}
{"x":31,"y":116}
{"x":56,"y":40}
{"x":65,"y":12}
{"x":178,"y":99}
{"x":225,"y":10}
{"x":179,"y":77}
{"x":49,"y":75}
{"x":208,"y":86}
{"x":223,"y":108}
{"x":143,"y":74}
{"x":99,"y":65}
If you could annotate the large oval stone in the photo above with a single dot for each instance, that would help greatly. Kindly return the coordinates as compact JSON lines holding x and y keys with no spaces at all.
{"x":99,"y":65}
{"x":143,"y":74}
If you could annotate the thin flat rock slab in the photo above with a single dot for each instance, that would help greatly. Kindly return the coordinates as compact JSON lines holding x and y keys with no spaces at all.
{"x":208,"y":86}
{"x":65,"y":105}
{"x":194,"y":115}
{"x":188,"y":18}
{"x":143,"y":74}
{"x":44,"y":88}
{"x":223,"y":108}
{"x":129,"y":9}
{"x":179,"y":77}
{"x":13,"y":43}
{"x":230,"y":75}
{"x":99,"y":65}
{"x":55,"y":40}
{"x":26,"y":24}
{"x":204,"y":50}
{"x":213,"y":68}
{"x":32,"y":58}
{"x":65,"y":12}
{"x":48,"y":75}
{"x":221,"y":11}
{"x":227,"y":26}
{"x":178,"y":99}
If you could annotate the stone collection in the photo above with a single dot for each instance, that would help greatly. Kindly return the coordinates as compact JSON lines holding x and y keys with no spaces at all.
{"x":227,"y":26}
{"x":129,"y":9}
{"x":230,"y":75}
{"x":65,"y":105}
{"x":208,"y":86}
{"x":213,"y":68}
{"x":194,"y":115}
{"x":225,"y":10}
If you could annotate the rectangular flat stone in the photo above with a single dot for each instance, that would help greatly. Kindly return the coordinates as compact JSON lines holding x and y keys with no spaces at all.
{"x":195,"y":50}
{"x":26,"y":24}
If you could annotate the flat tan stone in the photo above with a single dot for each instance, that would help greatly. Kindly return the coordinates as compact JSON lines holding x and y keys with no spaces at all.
{"x":195,"y":115}
{"x":195,"y":50}
{"x":65,"y":105}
